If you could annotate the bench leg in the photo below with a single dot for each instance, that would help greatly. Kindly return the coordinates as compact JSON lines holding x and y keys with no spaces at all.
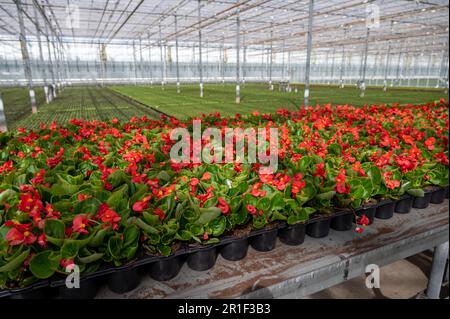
{"x":437,"y":271}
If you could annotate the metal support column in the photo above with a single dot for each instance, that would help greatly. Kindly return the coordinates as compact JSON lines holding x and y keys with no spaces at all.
{"x":135,"y":63}
{"x":308,"y":52}
{"x":244,"y":63}
{"x":3,"y":126}
{"x":141,"y":61}
{"x":238,"y":42}
{"x":397,"y":73}
{"x":150,"y":59}
{"x":200,"y":66}
{"x":222,"y":62}
{"x":26,"y":57}
{"x":428,"y":69}
{"x":55,"y":60}
{"x":342,"y":68}
{"x":282,"y":64}
{"x":386,"y":64}
{"x":289,"y":72}
{"x":176,"y":55}
{"x":162,"y":58}
{"x":271,"y":55}
{"x":362,"y":86}
{"x":332,"y":65}
{"x":48,"y":97}
{"x":437,"y":271}
{"x":52,"y":71}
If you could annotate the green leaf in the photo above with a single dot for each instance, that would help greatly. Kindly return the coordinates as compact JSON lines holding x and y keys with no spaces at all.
{"x":151,"y":219}
{"x":116,"y":197}
{"x":88,"y":206}
{"x":91,"y":258}
{"x":130,"y":235}
{"x":99,"y":237}
{"x":117,"y":178}
{"x":54,"y":228}
{"x":114,"y":247}
{"x":218,"y":225}
{"x":334,"y":149}
{"x":416,"y":192}
{"x":42,"y":266}
{"x":7,"y":196}
{"x":207,"y":215}
{"x":277,"y":202}
{"x":264,"y":204}
{"x":69,"y":250}
{"x":326,"y":196}
{"x":145,"y":227}
{"x":63,"y":189}
{"x":163,"y":176}
{"x":16,"y":262}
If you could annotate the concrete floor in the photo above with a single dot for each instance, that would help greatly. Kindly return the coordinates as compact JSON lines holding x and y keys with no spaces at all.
{"x":401,"y":280}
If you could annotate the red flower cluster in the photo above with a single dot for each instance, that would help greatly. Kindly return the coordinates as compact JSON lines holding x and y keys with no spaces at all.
{"x":108,"y":216}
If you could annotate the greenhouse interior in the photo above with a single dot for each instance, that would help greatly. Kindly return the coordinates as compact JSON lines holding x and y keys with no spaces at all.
{"x":222,"y":149}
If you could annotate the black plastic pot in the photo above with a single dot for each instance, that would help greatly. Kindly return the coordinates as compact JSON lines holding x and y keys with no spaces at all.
{"x":422,"y":202}
{"x":124,"y":280}
{"x":203,"y":259}
{"x":369,"y":211}
{"x":293,"y":235}
{"x":235,"y":250}
{"x":88,"y":290}
{"x":385,"y":210}
{"x":265,"y":241}
{"x":438,"y":196}
{"x":404,"y":205}
{"x":342,"y":222}
{"x":165,"y":268}
{"x":319,"y":228}
{"x":447,"y":191}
